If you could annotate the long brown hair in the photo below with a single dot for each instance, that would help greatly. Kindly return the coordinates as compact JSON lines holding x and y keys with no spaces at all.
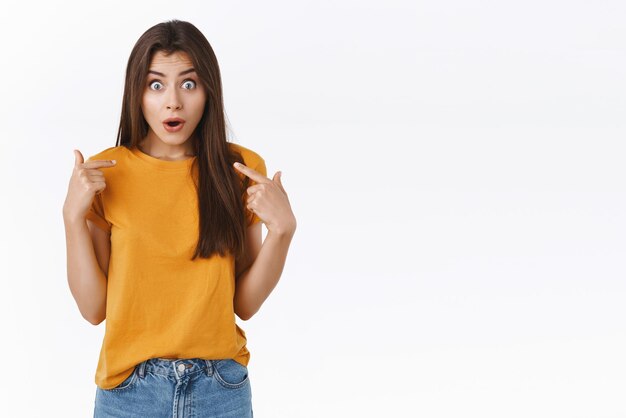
{"x":222,"y":218}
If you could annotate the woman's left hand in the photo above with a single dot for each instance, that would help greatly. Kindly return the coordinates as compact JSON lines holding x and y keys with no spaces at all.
{"x":268,"y":199}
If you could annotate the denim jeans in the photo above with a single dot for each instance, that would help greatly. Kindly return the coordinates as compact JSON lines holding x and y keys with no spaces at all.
{"x":178,"y":388}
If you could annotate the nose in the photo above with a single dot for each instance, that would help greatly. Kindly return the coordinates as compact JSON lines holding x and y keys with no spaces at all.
{"x":174,"y":105}
{"x":173,"y":102}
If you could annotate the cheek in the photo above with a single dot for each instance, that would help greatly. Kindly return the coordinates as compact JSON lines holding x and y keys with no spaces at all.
{"x":149,"y":107}
{"x":198,"y":106}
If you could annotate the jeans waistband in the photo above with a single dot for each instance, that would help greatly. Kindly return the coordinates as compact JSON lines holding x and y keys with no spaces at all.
{"x":177,"y":368}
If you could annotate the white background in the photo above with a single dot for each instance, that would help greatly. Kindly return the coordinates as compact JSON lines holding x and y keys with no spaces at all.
{"x":456,"y":169}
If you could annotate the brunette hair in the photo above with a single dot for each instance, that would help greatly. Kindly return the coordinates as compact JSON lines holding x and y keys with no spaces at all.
{"x":222,"y":217}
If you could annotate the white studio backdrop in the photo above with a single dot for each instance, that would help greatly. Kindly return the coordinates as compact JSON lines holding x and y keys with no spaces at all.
{"x":456,"y":169}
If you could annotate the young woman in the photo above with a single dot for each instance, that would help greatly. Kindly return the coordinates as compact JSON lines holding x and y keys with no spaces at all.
{"x":164,"y":239}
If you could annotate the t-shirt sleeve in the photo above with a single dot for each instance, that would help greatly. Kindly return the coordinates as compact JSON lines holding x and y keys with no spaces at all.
{"x":96,"y":214}
{"x":251,"y":216}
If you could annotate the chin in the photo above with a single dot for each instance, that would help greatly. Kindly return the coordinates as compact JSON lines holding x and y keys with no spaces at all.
{"x":177,"y":138}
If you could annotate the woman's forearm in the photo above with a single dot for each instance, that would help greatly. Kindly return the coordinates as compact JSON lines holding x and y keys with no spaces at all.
{"x":86,"y":279}
{"x":255,"y":284}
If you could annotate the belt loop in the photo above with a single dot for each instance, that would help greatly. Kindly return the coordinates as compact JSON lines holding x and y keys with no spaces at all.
{"x":142,"y":369}
{"x":209,"y":367}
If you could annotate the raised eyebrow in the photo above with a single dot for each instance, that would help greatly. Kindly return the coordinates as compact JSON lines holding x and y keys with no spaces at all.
{"x":191,"y":70}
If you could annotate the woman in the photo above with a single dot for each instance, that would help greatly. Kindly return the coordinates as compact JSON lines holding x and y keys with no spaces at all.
{"x":164,"y":239}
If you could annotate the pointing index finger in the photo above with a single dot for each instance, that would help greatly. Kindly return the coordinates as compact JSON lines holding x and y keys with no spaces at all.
{"x":253,"y":174}
{"x":99,"y":163}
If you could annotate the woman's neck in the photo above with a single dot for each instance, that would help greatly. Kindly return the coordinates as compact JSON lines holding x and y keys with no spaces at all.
{"x":158,"y":149}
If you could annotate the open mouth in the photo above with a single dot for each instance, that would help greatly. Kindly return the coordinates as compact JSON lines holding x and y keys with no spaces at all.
{"x":173,"y":126}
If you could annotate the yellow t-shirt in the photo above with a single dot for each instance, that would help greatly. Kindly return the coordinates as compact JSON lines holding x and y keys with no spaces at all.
{"x":159,"y":302}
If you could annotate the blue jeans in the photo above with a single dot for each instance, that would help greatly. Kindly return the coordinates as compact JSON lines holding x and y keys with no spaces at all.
{"x":179,"y":388}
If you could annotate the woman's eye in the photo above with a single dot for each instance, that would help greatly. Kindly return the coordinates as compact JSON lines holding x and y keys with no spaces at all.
{"x":193,"y":83}
{"x":187,"y":84}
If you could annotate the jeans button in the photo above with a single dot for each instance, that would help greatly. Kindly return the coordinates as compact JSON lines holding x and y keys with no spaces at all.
{"x":181,"y":367}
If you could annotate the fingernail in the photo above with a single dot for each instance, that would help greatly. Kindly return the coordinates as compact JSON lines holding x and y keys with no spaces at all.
{"x":113,"y":161}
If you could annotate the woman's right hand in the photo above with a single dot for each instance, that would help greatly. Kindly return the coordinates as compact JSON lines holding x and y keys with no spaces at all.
{"x":86,"y":181}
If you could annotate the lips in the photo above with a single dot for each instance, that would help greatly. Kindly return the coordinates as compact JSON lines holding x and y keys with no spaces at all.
{"x":173,"y":124}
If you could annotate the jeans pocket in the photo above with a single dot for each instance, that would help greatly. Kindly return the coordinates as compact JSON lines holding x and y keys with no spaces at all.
{"x":230,"y":373}
{"x":128,"y":382}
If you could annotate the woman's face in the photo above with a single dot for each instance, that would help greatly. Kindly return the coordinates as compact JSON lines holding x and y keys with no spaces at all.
{"x":172,"y":90}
